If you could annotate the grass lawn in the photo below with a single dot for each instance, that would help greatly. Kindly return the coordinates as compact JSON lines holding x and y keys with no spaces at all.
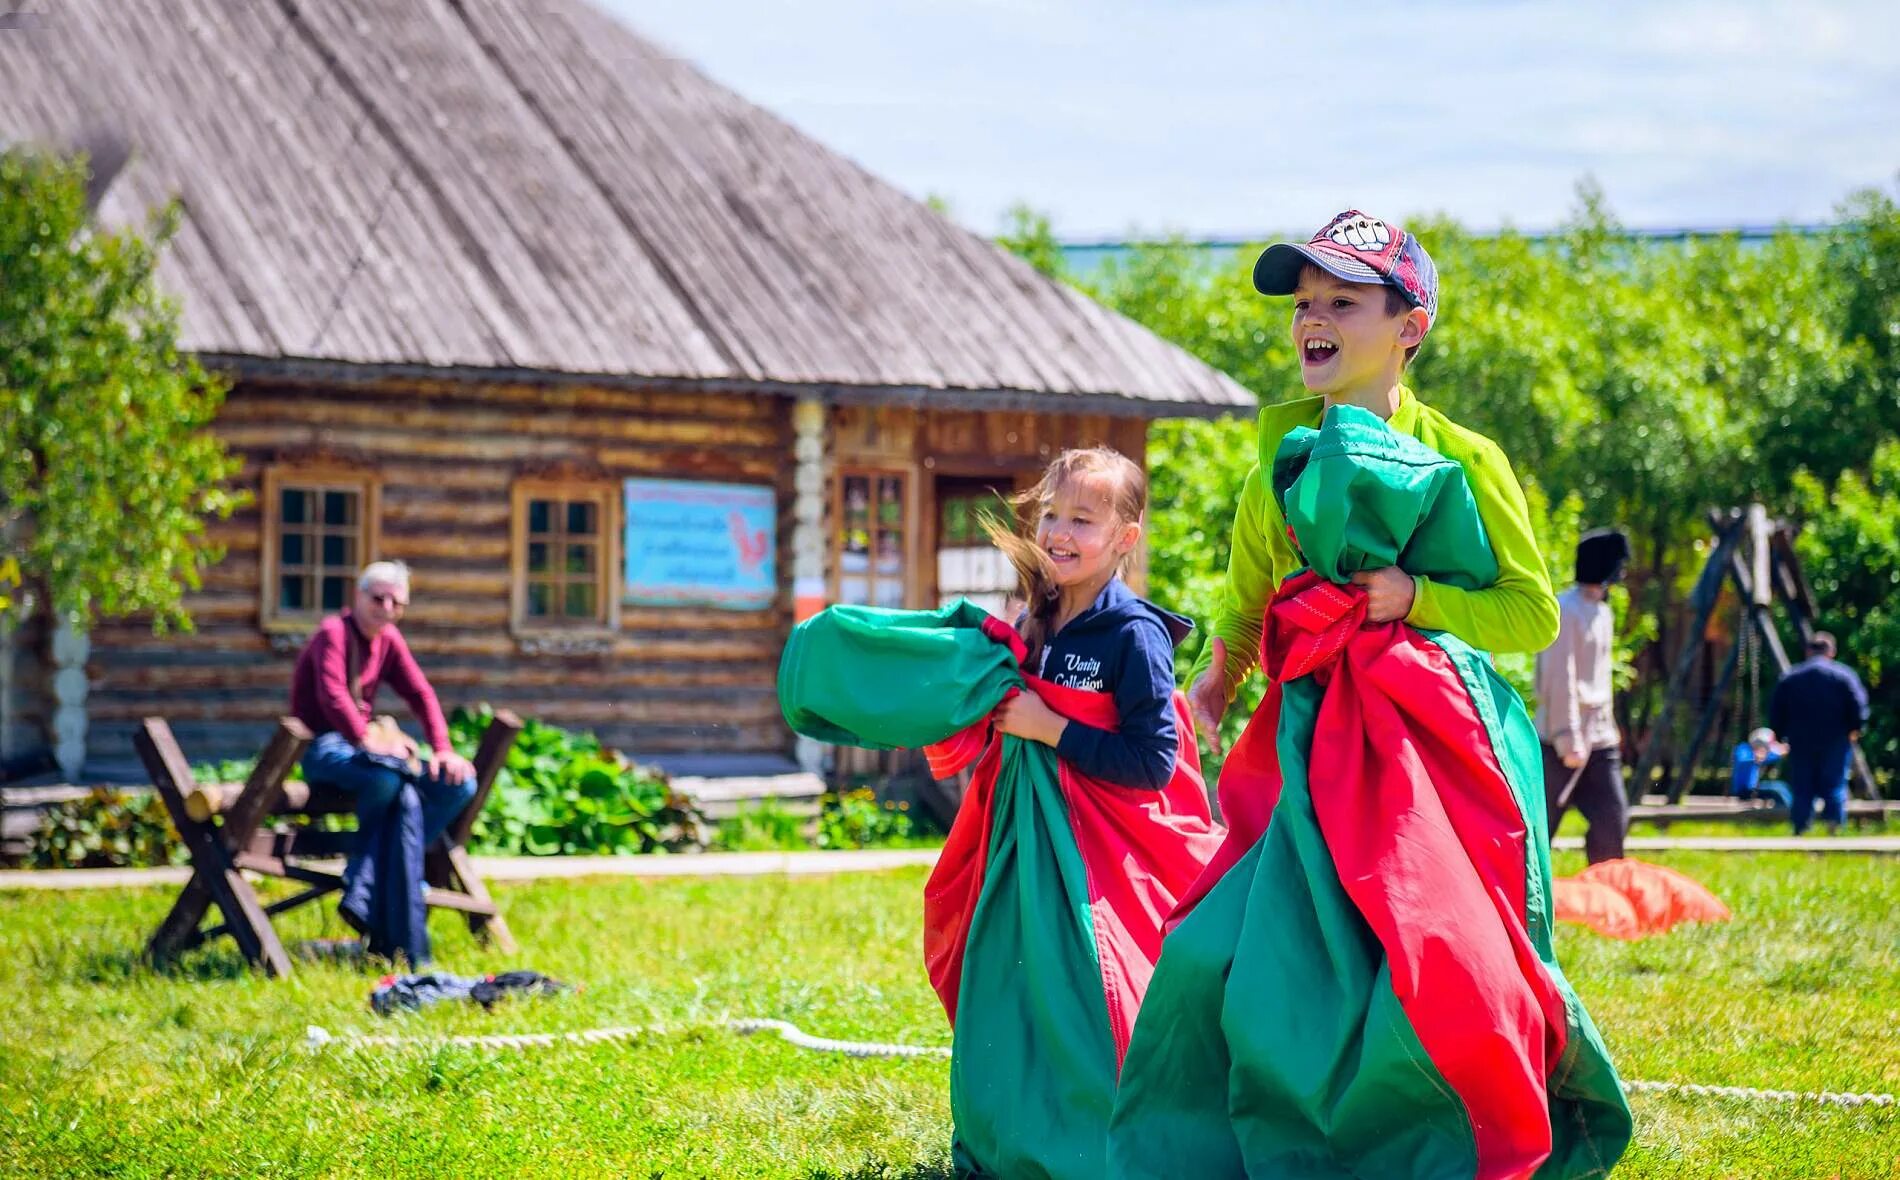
{"x":109,"y":1069}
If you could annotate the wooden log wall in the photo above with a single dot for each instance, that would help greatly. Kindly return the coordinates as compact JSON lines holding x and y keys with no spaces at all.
{"x":1011,"y":447}
{"x":668,"y":681}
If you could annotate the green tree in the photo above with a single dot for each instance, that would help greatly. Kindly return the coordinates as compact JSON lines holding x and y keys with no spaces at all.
{"x":1028,"y":235}
{"x":107,"y":470}
{"x":1850,"y":549}
{"x":1864,"y":250}
{"x":1632,"y":382}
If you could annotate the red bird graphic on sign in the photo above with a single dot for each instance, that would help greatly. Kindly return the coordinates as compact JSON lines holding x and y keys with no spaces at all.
{"x":751,"y":542}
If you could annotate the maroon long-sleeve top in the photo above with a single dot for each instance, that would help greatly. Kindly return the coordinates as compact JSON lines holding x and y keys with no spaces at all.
{"x":320,"y":686}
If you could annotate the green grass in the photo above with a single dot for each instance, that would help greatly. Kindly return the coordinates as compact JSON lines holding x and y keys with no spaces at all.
{"x":110,"y":1069}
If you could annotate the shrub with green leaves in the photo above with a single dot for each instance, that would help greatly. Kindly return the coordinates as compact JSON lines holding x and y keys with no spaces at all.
{"x":106,"y":829}
{"x":562,"y":793}
{"x":859,"y":819}
{"x":764,"y":826}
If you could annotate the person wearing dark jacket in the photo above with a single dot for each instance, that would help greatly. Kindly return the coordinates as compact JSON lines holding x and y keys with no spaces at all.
{"x":1124,"y":645}
{"x":1819,"y":709}
{"x":1085,"y":629}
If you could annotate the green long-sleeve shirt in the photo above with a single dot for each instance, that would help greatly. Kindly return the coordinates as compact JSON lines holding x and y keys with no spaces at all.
{"x":1517,"y":612}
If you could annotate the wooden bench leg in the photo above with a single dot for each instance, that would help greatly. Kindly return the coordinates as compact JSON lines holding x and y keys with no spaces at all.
{"x":180,"y":927}
{"x":216,"y":879}
{"x":490,"y":927}
{"x":450,"y":866}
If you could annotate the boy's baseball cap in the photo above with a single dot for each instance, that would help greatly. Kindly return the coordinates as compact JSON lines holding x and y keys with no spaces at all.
{"x":1358,"y":249}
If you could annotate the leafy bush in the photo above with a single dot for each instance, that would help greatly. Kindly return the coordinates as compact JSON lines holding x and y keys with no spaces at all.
{"x":858,"y":819}
{"x":562,"y":793}
{"x":106,"y":829}
{"x":764,"y":826}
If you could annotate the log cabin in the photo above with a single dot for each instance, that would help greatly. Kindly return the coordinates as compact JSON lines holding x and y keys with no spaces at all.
{"x":629,"y":371}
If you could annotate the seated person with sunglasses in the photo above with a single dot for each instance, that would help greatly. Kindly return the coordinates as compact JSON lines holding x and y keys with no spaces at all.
{"x":332,"y":691}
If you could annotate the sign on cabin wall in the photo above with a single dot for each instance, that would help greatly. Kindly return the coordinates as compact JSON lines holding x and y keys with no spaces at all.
{"x":700,"y":544}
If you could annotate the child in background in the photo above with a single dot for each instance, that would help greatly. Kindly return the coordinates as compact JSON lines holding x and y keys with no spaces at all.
{"x":1752,"y":760}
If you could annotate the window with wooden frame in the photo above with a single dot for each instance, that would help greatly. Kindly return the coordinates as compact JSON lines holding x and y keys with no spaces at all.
{"x":563,"y":556}
{"x":870,"y":541}
{"x":319,"y":531}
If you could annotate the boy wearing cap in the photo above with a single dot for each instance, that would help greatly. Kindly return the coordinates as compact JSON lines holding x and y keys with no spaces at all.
{"x":1365,"y":293}
{"x":1576,"y":724}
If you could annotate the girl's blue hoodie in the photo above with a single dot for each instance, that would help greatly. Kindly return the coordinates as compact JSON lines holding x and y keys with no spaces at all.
{"x":1123,"y":645}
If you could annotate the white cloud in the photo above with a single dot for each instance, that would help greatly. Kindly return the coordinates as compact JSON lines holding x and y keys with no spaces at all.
{"x":1228,"y":116}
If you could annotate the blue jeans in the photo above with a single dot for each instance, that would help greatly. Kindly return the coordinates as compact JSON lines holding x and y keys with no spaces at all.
{"x":1770,"y":789}
{"x":334,"y":761}
{"x":1817,"y":774}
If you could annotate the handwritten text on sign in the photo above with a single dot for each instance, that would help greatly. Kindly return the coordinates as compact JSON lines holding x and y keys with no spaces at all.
{"x":700,"y":544}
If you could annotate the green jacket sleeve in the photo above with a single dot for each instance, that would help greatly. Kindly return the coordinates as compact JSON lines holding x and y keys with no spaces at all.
{"x":1253,"y":574}
{"x":1518,"y":612}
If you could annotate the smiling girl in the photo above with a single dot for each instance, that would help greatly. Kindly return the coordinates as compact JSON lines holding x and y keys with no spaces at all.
{"x":1085,"y":629}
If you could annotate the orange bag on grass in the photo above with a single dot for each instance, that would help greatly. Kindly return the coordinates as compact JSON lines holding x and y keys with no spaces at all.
{"x":1632,"y":899}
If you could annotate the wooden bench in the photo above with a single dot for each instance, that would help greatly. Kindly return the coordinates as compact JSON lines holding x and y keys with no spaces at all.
{"x":222,"y":827}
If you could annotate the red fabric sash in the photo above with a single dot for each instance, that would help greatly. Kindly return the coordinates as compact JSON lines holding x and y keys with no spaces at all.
{"x":1140,"y":849}
{"x":1428,"y":842}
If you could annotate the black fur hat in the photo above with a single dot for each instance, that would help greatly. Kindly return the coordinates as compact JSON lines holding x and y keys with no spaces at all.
{"x":1601,"y":556}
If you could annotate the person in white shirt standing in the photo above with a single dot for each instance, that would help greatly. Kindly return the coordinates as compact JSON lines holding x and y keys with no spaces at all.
{"x":1583,"y":763}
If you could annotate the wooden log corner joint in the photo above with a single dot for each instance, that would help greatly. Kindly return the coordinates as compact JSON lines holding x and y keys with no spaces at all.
{"x":222,"y":828}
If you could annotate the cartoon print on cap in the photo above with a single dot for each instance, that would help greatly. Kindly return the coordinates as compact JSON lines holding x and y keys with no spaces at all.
{"x":1360,"y":233}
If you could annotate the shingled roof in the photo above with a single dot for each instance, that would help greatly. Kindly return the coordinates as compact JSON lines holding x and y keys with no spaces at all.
{"x":531,"y":188}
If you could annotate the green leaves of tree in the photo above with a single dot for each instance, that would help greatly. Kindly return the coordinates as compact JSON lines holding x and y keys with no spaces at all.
{"x":107,"y":468}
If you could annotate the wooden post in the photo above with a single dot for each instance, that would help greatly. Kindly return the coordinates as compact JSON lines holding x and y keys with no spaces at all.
{"x":490,"y":757}
{"x":1708,"y":589}
{"x":1711,"y":709}
{"x":215,"y":878}
{"x":451,"y":861}
{"x":1759,"y":542}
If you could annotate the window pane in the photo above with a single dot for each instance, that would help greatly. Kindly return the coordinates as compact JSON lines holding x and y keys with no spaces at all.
{"x":293,"y":593}
{"x":890,"y":594}
{"x":582,"y":518}
{"x":293,"y":551}
{"x":537,"y":557}
{"x":339,"y":508}
{"x":890,"y":553}
{"x":857,"y":498}
{"x":580,"y":600}
{"x":294,"y":506}
{"x":580,"y":559}
{"x":540,"y":596}
{"x":540,"y":516}
{"x":336,"y":550}
{"x":335,"y":591}
{"x":854,"y":591}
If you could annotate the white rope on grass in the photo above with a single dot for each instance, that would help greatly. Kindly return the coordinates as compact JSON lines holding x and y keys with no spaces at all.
{"x":317,"y":1038}
{"x":1823,"y":1097}
{"x":804,"y":1040}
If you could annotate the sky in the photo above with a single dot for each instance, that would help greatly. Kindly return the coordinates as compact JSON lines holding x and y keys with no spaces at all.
{"x":1211,"y":118}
